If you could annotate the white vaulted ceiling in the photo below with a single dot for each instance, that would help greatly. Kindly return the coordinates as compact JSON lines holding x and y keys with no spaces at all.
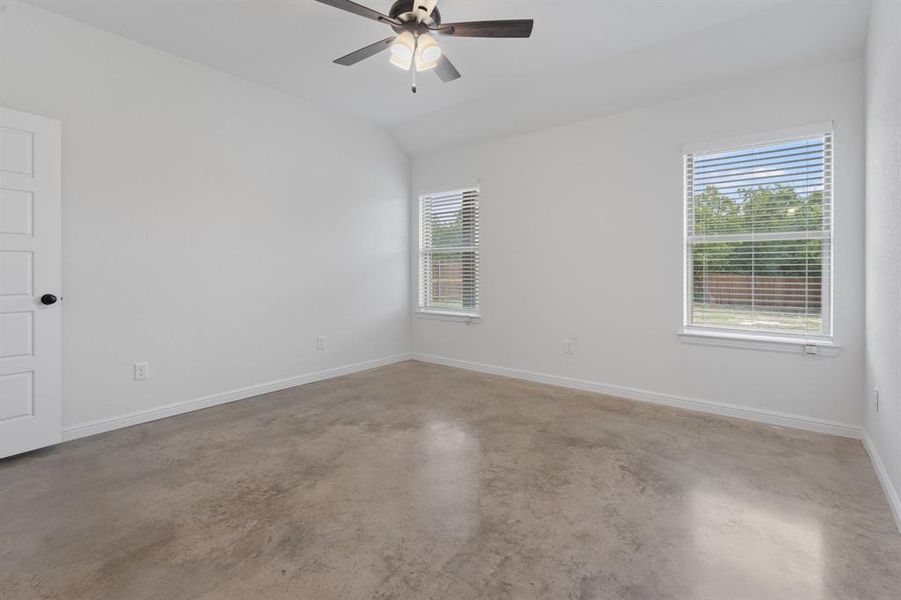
{"x":585,"y":58}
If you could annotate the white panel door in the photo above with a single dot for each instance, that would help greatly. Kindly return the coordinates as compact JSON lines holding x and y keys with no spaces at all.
{"x":30,"y":406}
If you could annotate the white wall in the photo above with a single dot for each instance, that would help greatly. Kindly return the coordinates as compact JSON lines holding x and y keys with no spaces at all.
{"x":193,"y":213}
{"x":883,"y":246}
{"x":211,"y":226}
{"x":582,"y":237}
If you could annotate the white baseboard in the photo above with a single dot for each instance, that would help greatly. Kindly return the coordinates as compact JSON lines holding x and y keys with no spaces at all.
{"x":169,"y":410}
{"x":706,"y":406}
{"x":890,"y":492}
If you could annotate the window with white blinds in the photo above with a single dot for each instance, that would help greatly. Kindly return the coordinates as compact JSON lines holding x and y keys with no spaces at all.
{"x":449,"y":252}
{"x":759,"y":238}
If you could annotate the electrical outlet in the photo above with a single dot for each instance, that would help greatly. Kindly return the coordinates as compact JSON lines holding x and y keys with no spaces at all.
{"x":142,"y":371}
{"x":320,"y":342}
{"x":569,"y":347}
{"x":876,"y":399}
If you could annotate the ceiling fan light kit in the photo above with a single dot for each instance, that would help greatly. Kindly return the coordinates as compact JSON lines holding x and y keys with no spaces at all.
{"x":414,"y":48}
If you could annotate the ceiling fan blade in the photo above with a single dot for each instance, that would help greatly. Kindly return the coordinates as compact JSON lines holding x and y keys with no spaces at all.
{"x":518,"y":28}
{"x":446,"y":70}
{"x":359,"y":9}
{"x":363,"y":53}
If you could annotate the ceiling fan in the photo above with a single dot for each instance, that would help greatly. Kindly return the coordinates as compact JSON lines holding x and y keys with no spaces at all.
{"x":413,"y":48}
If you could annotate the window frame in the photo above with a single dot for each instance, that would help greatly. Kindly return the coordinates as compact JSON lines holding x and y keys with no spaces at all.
{"x":780,"y":341}
{"x":423,"y":291}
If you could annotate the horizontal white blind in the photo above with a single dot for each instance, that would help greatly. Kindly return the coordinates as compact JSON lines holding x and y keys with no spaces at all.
{"x":759,"y":236}
{"x":449,"y":251}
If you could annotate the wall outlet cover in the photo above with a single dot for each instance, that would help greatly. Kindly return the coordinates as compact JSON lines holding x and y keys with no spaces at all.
{"x":142,"y":371}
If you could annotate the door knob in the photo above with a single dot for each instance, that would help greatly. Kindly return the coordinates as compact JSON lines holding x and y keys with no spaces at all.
{"x":48,"y":299}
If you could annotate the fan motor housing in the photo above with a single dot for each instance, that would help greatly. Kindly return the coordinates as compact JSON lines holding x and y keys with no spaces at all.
{"x":402,"y":10}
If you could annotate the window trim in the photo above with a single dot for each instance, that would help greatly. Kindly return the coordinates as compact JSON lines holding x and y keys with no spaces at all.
{"x":438,"y":313}
{"x":777,"y":341}
{"x":731,"y":338}
{"x":446,"y":315}
{"x":759,"y":139}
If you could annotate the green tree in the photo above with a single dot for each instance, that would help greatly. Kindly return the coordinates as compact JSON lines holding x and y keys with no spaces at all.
{"x":763,"y":209}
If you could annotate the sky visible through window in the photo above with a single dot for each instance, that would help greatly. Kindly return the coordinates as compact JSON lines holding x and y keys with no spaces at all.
{"x":796,"y":164}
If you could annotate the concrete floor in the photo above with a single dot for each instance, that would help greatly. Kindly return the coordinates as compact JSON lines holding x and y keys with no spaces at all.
{"x":418,"y":481}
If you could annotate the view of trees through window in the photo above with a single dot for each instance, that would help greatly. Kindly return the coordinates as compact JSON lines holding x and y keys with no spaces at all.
{"x":759,"y":233}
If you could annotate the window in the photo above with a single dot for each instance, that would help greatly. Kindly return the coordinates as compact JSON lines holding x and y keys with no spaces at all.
{"x":449,"y":252}
{"x":758,"y":237}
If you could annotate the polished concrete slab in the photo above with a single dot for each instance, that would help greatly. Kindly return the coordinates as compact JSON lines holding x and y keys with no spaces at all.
{"x":417,"y":481}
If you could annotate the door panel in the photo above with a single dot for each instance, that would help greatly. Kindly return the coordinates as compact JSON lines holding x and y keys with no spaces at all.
{"x":30,"y":404}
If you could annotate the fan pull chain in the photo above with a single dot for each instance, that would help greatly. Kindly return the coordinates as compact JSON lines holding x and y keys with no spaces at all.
{"x":413,"y":62}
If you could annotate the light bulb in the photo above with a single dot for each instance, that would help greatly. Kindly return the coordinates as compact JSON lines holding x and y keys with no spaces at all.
{"x":402,"y":49}
{"x":428,"y":49}
{"x":427,"y":53}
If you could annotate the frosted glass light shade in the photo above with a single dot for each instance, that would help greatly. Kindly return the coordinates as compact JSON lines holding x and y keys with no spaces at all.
{"x":427,"y":53}
{"x":402,"y":49}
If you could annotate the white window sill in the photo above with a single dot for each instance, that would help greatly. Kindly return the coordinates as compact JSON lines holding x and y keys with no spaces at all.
{"x":766,"y":343}
{"x":447,"y":315}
